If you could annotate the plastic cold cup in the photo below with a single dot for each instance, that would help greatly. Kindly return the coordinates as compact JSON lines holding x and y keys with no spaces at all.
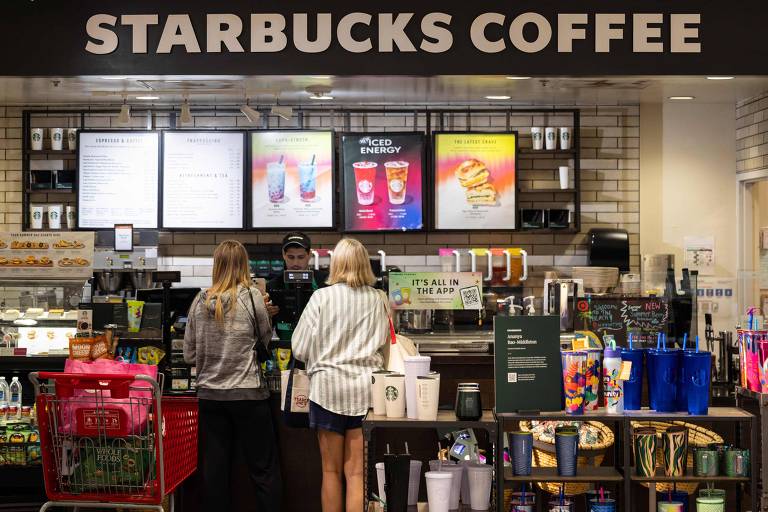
{"x":633,"y":388}
{"x":414,"y":482}
{"x":574,"y":381}
{"x":307,"y":182}
{"x":480,"y":479}
{"x":710,"y":504}
{"x":697,"y":372}
{"x":664,"y":382}
{"x":669,"y":506}
{"x":438,"y":490}
{"x":276,"y":182}
{"x":365,"y":180}
{"x":457,"y":472}
{"x":607,"y":505}
{"x":397,"y":178}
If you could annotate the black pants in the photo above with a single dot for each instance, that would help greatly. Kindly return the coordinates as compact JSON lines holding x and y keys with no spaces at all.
{"x":244,"y":426}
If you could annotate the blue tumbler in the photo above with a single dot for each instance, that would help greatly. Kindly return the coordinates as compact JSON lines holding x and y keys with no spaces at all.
{"x":663,"y":386}
{"x":681,"y":399}
{"x":650,"y":368}
{"x":633,"y":388}
{"x":521,"y":444}
{"x":697,"y":368}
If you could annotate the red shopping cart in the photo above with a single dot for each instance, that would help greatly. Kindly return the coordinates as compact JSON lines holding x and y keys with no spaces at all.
{"x":112,"y":441}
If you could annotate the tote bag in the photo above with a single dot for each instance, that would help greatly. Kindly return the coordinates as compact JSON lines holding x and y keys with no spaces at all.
{"x":294,"y":391}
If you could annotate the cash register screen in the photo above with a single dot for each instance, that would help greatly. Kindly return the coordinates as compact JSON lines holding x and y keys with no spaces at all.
{"x":298,"y":276}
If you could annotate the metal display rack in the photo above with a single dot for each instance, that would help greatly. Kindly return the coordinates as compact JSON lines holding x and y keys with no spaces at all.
{"x":743,"y":397}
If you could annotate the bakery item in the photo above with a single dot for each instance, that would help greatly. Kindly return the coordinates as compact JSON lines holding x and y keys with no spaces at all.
{"x":482,"y":194}
{"x":471,"y":173}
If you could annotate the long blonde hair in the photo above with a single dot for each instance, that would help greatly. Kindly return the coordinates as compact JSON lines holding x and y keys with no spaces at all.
{"x":230,"y":270}
{"x":351,"y":265}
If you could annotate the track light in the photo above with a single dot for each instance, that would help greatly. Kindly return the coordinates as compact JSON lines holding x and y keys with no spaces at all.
{"x":186,"y":113}
{"x":125,"y":113}
{"x":251,"y":114}
{"x":283,"y":112}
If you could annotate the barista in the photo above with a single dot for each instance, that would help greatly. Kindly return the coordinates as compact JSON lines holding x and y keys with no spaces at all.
{"x":288,"y":300}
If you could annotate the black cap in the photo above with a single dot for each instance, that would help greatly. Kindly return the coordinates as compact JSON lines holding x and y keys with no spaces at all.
{"x":297,"y":239}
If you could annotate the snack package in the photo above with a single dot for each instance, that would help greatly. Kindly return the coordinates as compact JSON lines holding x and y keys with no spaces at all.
{"x":124,"y":462}
{"x":80,"y":348}
{"x":100,"y":348}
{"x":150,"y":355}
{"x":283,"y":357}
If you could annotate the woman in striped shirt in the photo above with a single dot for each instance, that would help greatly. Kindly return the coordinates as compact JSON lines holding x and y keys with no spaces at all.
{"x":340,"y":337}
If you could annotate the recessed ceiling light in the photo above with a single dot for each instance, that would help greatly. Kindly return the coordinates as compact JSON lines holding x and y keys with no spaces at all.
{"x":518,"y":78}
{"x":114,"y":78}
{"x":720,"y":78}
{"x":321,"y":97}
{"x":321,"y":77}
{"x":682,"y":97}
{"x":173,"y":81}
{"x":147,"y":97}
{"x":498,"y":97}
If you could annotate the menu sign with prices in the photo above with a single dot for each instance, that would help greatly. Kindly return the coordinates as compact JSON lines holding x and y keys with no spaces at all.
{"x":527,"y":363}
{"x":436,"y":290}
{"x":475,"y":181}
{"x":46,"y":255}
{"x":118,"y":179}
{"x":292,"y":179}
{"x":383,"y":181}
{"x":203,"y":180}
{"x":644,"y":317}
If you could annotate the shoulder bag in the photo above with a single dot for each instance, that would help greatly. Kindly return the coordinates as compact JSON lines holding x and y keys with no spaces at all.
{"x":262,"y":352}
{"x":398,"y":346}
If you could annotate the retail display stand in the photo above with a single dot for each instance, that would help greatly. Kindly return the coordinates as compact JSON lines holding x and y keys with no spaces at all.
{"x":743,"y":398}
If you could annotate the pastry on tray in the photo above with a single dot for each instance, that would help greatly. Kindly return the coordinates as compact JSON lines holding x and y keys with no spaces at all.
{"x":67,"y":244}
{"x":16,"y":244}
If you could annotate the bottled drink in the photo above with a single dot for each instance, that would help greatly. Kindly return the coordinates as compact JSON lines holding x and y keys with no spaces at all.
{"x":14,"y":399}
{"x":4,"y":391}
{"x":613,"y":387}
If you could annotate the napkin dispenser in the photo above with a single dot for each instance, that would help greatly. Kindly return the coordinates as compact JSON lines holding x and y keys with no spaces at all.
{"x":608,"y":248}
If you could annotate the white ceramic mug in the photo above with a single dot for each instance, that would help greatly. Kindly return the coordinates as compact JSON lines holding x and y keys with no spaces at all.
{"x":565,"y":138}
{"x":427,"y":394}
{"x":564,"y":177}
{"x":537,"y":136}
{"x":72,"y":138}
{"x":36,"y":214}
{"x":54,"y":216}
{"x":36,"y":138}
{"x":71,"y":217}
{"x":394,"y":395}
{"x":550,"y":138}
{"x":57,"y":139}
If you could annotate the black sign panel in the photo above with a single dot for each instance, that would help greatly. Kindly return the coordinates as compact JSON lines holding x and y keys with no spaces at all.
{"x":644,"y":317}
{"x":399,"y":37}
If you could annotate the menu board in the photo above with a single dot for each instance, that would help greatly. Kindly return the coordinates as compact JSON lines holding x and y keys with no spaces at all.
{"x":46,"y":255}
{"x":118,"y":178}
{"x":644,"y":317}
{"x":475,"y":181}
{"x":292,"y":179}
{"x":203,"y":180}
{"x":383,"y":178}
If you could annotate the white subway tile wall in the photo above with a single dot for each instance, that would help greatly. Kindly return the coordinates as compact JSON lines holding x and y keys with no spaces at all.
{"x":610,"y":181}
{"x":752,"y":134}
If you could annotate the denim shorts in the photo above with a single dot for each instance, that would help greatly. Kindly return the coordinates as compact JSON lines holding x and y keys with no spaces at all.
{"x":323,"y":419}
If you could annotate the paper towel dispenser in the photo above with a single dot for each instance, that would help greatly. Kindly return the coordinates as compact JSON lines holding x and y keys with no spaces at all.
{"x":608,"y":248}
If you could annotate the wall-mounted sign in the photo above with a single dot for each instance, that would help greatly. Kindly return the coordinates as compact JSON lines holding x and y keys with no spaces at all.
{"x":383,"y":181}
{"x":292,"y":179}
{"x":46,"y":255}
{"x":436,"y":290}
{"x":644,"y":317}
{"x":475,"y":181}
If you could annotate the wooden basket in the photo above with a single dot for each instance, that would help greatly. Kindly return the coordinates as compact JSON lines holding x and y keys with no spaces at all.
{"x":698,"y":437}
{"x":593,"y":455}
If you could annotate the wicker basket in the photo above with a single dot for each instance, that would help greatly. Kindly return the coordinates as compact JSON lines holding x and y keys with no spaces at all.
{"x":592,"y":455}
{"x":698,"y":437}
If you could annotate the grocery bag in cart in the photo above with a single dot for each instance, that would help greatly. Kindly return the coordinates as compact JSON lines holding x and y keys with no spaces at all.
{"x":110,"y":463}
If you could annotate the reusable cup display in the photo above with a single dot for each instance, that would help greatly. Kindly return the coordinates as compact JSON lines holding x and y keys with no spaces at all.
{"x":574,"y":380}
{"x":710,"y":504}
{"x":36,"y":213}
{"x":381,"y":480}
{"x":565,"y":138}
{"x":57,"y":138}
{"x":564,"y":176}
{"x":705,"y":462}
{"x":71,"y":217}
{"x":427,"y":397}
{"x":521,"y":446}
{"x":438,"y":465}
{"x":54,"y":216}
{"x":669,"y":506}
{"x":537,"y":136}
{"x":592,"y":379}
{"x":697,"y":373}
{"x":308,"y":181}
{"x":457,"y":472}
{"x":394,"y":395}
{"x":556,"y":505}
{"x":594,"y":495}
{"x":567,"y":452}
{"x":397,"y":471}
{"x":365,"y":179}
{"x":606,"y":505}
{"x":36,"y":138}
{"x":378,"y":392}
{"x":674,"y":496}
{"x":469,"y":405}
{"x":414,"y":482}
{"x":397,"y":178}
{"x":644,"y":444}
{"x":523,"y":502}
{"x":438,"y":490}
{"x":633,"y":387}
{"x":737,"y":463}
{"x":674,"y":446}
{"x":710,"y":492}
{"x":550,"y":135}
{"x":480,"y":477}
{"x":72,"y":138}
{"x":664,"y":381}
{"x":276,"y":181}
{"x":415,"y":366}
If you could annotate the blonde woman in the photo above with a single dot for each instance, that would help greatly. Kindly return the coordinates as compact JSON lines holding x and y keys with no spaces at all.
{"x":225,"y":323}
{"x":339,"y":337}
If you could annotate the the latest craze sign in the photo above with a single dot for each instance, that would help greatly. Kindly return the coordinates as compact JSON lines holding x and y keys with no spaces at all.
{"x":585,"y":37}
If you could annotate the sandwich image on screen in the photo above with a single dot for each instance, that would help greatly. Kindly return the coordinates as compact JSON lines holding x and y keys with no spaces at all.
{"x":473,"y":175}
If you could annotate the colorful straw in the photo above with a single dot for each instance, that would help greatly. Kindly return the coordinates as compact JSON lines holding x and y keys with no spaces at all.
{"x":697,"y":343}
{"x":630,"y":341}
{"x":685,"y":341}
{"x":658,"y":342}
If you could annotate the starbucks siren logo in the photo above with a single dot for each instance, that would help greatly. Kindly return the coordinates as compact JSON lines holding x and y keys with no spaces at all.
{"x":36,"y":137}
{"x":57,"y":137}
{"x":391,"y":393}
{"x":37,"y":215}
{"x":54,"y":214}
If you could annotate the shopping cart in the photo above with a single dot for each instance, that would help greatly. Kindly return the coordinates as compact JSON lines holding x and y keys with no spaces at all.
{"x":112,"y":441}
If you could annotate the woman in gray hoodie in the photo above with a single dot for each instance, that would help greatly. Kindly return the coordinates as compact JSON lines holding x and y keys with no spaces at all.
{"x":225,"y":323}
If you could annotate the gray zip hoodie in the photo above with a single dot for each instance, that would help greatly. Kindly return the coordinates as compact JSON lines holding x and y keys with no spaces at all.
{"x":227,"y":368}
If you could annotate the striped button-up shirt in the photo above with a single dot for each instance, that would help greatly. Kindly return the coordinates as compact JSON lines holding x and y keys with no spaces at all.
{"x":340,"y":337}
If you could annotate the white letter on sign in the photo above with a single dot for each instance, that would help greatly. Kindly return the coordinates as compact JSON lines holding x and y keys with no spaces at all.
{"x":106,"y":38}
{"x":566,"y":33}
{"x":178,"y":31}
{"x":682,"y":31}
{"x":267,"y":33}
{"x":477,"y":33}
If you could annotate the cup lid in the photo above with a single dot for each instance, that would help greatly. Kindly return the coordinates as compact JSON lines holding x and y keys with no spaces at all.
{"x":438,"y":475}
{"x":417,"y":359}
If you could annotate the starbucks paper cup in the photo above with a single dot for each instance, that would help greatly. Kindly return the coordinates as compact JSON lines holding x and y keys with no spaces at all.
{"x":57,"y":139}
{"x":564,"y":177}
{"x":54,"y":216}
{"x":537,"y":136}
{"x":550,"y":138}
{"x":36,"y":214}
{"x":377,"y":392}
{"x":71,"y":217}
{"x":565,"y":138}
{"x":394,"y":395}
{"x":72,"y":138}
{"x":36,"y":138}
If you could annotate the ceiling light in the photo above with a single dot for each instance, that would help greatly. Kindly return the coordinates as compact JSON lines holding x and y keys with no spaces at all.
{"x":720,"y":78}
{"x":321,"y":77}
{"x":320,"y":97}
{"x":125,"y":113}
{"x":186,"y":113}
{"x":147,"y":97}
{"x":518,"y":78}
{"x":319,"y":92}
{"x":114,"y":78}
{"x":250,"y":114}
{"x":682,"y":97}
{"x":498,"y":97}
{"x":173,"y":81}
{"x":283,"y":112}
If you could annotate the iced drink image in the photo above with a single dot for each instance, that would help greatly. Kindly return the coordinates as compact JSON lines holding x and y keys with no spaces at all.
{"x":365,"y":177}
{"x":397,"y":177}
{"x":276,"y":181}
{"x":307,"y":181}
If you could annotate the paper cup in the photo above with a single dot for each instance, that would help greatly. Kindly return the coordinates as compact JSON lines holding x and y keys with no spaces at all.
{"x":54,"y":216}
{"x":36,"y":214}
{"x":394,"y":395}
{"x":57,"y":139}
{"x":480,"y":478}
{"x":550,"y":138}
{"x":438,"y":490}
{"x":415,"y":366}
{"x":414,"y":482}
{"x":71,"y":217}
{"x":377,"y":392}
{"x":565,"y":138}
{"x":72,"y":138}
{"x":537,"y":136}
{"x":427,"y":394}
{"x":36,"y":138}
{"x":381,"y":479}
{"x":564,"y":177}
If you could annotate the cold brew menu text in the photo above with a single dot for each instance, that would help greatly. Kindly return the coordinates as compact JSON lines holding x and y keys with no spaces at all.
{"x":383,"y":181}
{"x":292,"y":176}
{"x":203,"y":180}
{"x":118,"y":175}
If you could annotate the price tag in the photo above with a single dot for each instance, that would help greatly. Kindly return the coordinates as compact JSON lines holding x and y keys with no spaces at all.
{"x":626,"y":370}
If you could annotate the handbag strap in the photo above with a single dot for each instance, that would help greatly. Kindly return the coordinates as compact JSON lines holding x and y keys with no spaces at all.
{"x":254,"y":320}
{"x":392,"y":334}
